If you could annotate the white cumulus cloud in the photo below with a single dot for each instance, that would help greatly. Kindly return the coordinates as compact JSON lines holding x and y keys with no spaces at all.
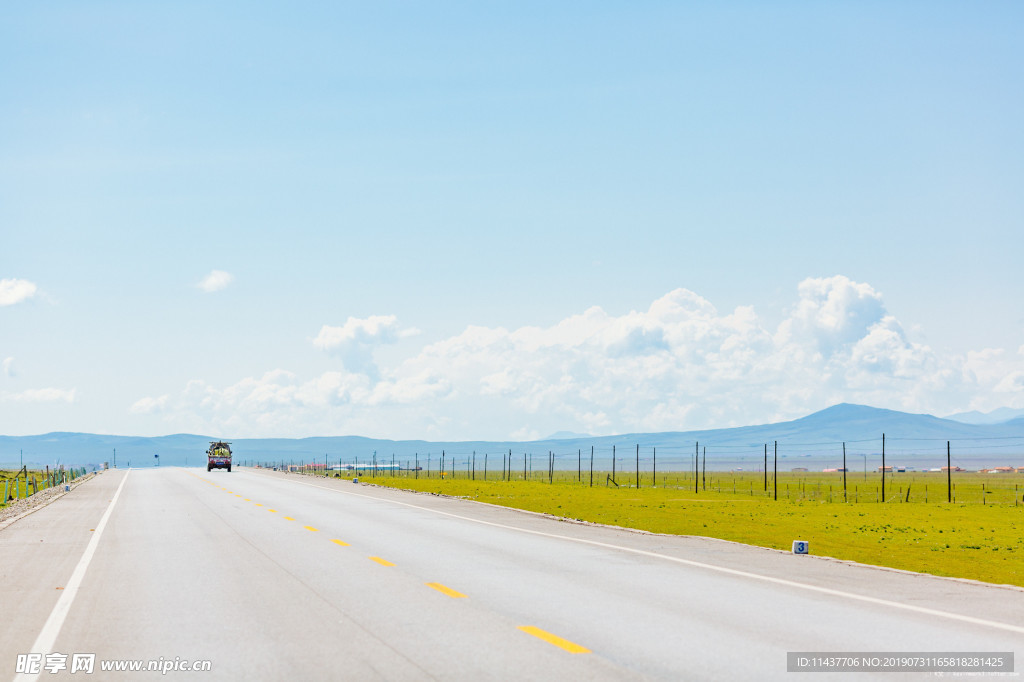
{"x":215,"y":281}
{"x":354,"y":341}
{"x":375,"y":329}
{"x":15,"y":291}
{"x":149,"y":405}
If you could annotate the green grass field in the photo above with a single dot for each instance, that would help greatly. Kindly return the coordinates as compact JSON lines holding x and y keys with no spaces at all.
{"x":980,"y":536}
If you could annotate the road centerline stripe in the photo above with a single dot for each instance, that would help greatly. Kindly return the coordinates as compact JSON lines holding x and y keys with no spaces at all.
{"x":339,"y":542}
{"x":311,"y":529}
{"x":565,"y":644}
{"x":444,"y":589}
{"x":698,"y":564}
{"x":48,"y":635}
{"x":382,"y":562}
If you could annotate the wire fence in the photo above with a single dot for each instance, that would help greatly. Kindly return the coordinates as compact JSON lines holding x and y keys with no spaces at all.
{"x":986,"y":470}
{"x":22,"y":484}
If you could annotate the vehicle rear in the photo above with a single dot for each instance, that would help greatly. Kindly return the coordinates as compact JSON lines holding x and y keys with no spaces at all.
{"x":218,"y":456}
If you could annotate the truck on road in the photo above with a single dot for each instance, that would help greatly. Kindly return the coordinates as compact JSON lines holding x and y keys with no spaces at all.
{"x":218,"y":456}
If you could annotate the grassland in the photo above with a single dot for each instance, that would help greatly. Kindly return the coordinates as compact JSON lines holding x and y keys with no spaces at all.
{"x":979,"y":536}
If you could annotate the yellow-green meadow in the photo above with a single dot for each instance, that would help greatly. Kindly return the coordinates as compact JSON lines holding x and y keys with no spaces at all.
{"x":979,"y":536}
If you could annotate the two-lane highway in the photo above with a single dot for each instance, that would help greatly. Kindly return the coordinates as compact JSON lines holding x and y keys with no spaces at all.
{"x":270,"y":576}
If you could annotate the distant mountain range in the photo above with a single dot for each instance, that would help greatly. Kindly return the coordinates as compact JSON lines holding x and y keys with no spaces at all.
{"x":1000,"y":416}
{"x":819,"y":438}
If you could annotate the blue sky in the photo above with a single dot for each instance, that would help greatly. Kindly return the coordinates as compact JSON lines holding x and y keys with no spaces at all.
{"x":402,"y":193}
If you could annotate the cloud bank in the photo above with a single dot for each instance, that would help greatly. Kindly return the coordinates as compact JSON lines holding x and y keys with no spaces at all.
{"x":680,"y":364}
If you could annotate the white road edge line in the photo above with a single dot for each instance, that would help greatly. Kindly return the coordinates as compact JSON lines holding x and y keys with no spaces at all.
{"x":48,"y":635}
{"x":710,"y":567}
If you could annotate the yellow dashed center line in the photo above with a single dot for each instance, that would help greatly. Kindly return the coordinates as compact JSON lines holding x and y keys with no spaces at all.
{"x":272,"y":510}
{"x":257,"y":504}
{"x":339,"y":542}
{"x":382,"y":562}
{"x":311,"y":529}
{"x":565,"y":644}
{"x":446,"y":590}
{"x":288,"y":518}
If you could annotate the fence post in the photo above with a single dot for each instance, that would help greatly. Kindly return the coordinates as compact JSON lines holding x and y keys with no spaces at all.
{"x":844,"y":472}
{"x":696,"y":465}
{"x":949,"y":476}
{"x":775,"y":474}
{"x":883,"y":467}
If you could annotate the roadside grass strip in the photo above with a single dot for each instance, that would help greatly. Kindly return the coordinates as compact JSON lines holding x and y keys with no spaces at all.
{"x":564,"y":644}
{"x":454,"y":594}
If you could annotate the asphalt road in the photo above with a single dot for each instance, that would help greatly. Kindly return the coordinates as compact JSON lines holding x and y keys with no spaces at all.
{"x":271,"y":577}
